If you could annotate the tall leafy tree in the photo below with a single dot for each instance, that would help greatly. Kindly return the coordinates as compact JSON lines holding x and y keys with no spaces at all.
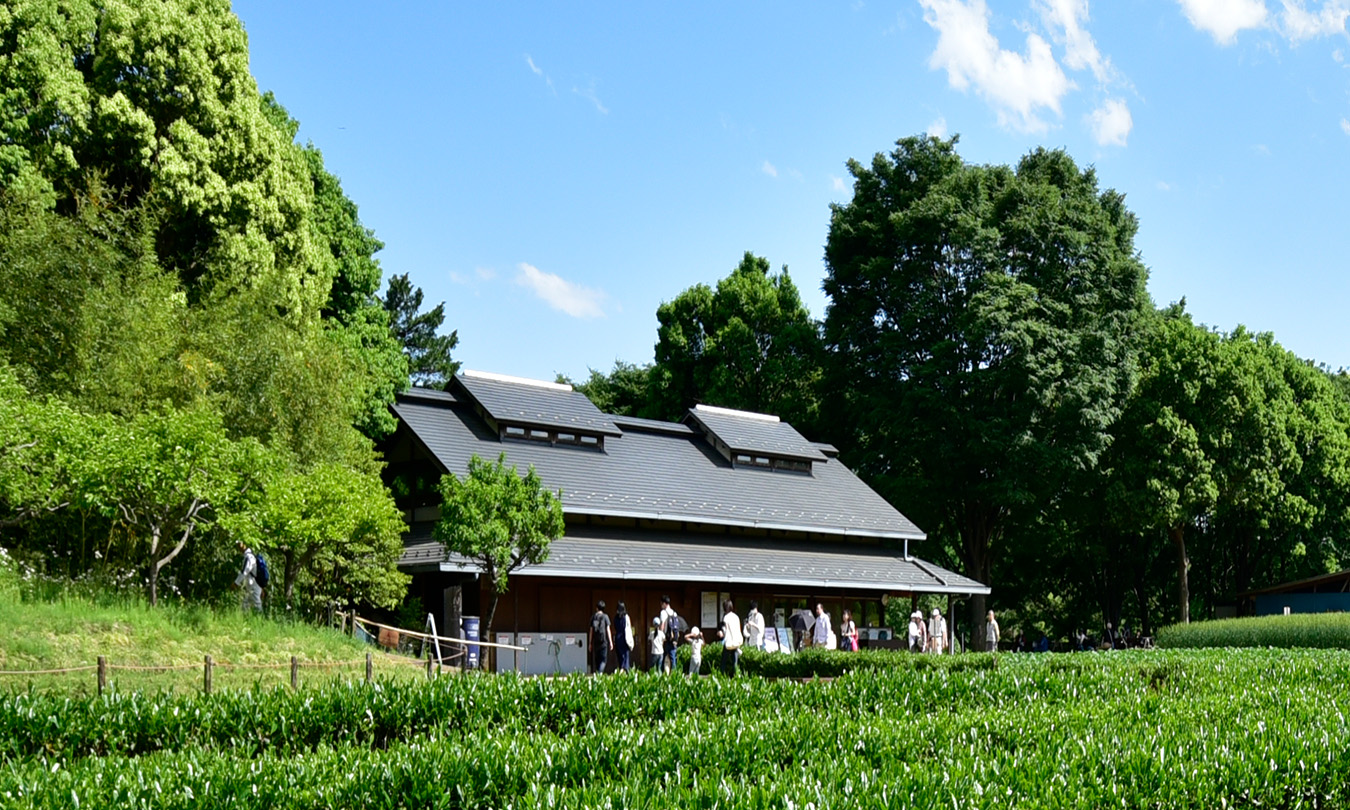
{"x":748,"y":344}
{"x":418,"y":332}
{"x":979,"y":330}
{"x":626,"y":390}
{"x":500,"y":520}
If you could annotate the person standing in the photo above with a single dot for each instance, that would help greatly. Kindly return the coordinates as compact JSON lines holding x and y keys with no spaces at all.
{"x":820,"y":631}
{"x":623,"y":637}
{"x":918,"y":634}
{"x":657,"y":642}
{"x":602,"y":638}
{"x":732,"y":638}
{"x":670,"y":625}
{"x":250,"y":594}
{"x":937,"y":632}
{"x":754,"y":628}
{"x":991,"y":632}
{"x":695,"y":639}
{"x":848,"y":632}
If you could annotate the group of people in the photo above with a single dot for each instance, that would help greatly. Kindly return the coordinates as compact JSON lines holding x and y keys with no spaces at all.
{"x":930,"y":636}
{"x":669,"y":630}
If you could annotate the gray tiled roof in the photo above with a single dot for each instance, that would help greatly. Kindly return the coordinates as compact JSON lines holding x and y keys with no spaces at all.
{"x":664,"y":474}
{"x":604,"y":554}
{"x":518,"y":404}
{"x":747,"y":434}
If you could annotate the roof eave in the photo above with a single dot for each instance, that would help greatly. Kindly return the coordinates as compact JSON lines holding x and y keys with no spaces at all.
{"x":840,"y":531}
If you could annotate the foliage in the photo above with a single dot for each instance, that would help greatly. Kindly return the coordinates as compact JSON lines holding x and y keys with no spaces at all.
{"x":1300,"y":630}
{"x":749,"y":344}
{"x":427,"y":351}
{"x":624,"y":391}
{"x":980,"y":333}
{"x":500,"y":521}
{"x":1162,"y":729}
{"x":333,"y":529}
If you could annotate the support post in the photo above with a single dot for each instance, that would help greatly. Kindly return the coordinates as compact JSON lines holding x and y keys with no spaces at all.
{"x":295,"y":672}
{"x":370,"y":669}
{"x":206,"y":675}
{"x":102,"y":675}
{"x":429,"y":672}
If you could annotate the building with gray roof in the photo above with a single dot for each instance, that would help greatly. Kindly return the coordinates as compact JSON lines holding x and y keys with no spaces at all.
{"x":723,"y":504}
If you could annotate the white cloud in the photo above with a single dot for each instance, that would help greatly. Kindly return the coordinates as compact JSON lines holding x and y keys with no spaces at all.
{"x":838,"y":184}
{"x":589,"y":95}
{"x":538,"y":71}
{"x":938,"y":129}
{"x":1223,"y":19}
{"x":1298,"y":24}
{"x":1338,"y":56}
{"x":1345,"y":126}
{"x":485,"y":273}
{"x":561,"y":294}
{"x":1064,"y":19}
{"x":769,"y":169}
{"x":1018,"y":86}
{"x":1111,"y":123}
{"x":1164,"y":186}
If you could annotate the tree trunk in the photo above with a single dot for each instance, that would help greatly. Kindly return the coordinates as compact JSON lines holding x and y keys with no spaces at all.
{"x":1178,"y":535}
{"x":154,"y":565}
{"x":485,"y":629}
{"x":977,"y":532}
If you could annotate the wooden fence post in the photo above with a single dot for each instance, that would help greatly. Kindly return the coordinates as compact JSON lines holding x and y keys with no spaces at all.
{"x":429,"y":673}
{"x":102,"y":674}
{"x":370,"y":669}
{"x":206,"y":675}
{"x":295,"y":672}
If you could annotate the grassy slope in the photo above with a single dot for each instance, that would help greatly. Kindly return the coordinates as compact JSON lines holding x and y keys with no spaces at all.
{"x":73,"y":632}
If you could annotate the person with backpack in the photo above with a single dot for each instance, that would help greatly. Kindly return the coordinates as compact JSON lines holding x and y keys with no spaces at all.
{"x":623,"y":637}
{"x":672,"y":628}
{"x":602,"y":639}
{"x":251,"y":580}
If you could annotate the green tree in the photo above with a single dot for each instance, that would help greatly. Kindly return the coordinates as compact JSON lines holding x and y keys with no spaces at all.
{"x":749,"y":344}
{"x":979,"y":333}
{"x":625,"y":391}
{"x":499,"y":520}
{"x":428,"y":352}
{"x":165,"y":476}
{"x":333,"y":529}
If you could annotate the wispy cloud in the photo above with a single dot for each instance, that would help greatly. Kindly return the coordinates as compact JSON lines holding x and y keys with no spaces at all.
{"x":589,"y":94}
{"x":1066,"y":19}
{"x":538,"y":71}
{"x":1164,"y":185}
{"x":1020,"y":87}
{"x":561,"y":294}
{"x":838,"y":184}
{"x":1299,"y":24}
{"x":485,"y":273}
{"x":769,"y":169}
{"x":1111,"y":123}
{"x":938,"y":129}
{"x":1345,"y":126}
{"x":1224,"y":19}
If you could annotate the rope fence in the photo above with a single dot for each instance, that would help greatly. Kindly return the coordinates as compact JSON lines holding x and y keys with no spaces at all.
{"x":208,"y":666}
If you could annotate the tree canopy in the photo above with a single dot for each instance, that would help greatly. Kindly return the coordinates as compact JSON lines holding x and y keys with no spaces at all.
{"x":500,"y":520}
{"x":979,"y":331}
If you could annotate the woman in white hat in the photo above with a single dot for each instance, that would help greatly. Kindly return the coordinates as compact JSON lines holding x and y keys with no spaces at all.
{"x":918,"y":633}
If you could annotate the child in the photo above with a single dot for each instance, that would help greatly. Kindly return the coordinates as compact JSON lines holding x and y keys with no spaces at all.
{"x":695,"y":639}
{"x":658,"y":645}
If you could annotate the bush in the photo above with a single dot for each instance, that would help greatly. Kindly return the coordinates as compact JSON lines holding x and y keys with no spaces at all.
{"x":1311,"y":630}
{"x":818,"y":663}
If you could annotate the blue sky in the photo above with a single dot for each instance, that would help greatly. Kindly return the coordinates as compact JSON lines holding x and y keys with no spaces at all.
{"x":553,"y":172}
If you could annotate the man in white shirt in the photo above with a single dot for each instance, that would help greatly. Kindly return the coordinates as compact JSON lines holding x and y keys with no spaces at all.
{"x":916,"y":632}
{"x":820,"y":631}
{"x":732,"y":638}
{"x":937,"y":632}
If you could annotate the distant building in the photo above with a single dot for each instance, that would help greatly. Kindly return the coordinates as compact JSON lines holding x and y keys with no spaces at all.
{"x":1328,"y":593}
{"x":723,"y":504}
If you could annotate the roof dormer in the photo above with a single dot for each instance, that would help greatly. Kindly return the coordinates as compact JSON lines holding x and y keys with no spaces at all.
{"x":521,"y":409}
{"x":748,"y":439}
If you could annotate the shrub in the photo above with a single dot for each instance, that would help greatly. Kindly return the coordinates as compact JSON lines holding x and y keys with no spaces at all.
{"x":1312,"y":630}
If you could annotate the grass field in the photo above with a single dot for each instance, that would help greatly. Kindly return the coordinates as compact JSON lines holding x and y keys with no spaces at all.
{"x":249,"y":651}
{"x":1156,"y":729}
